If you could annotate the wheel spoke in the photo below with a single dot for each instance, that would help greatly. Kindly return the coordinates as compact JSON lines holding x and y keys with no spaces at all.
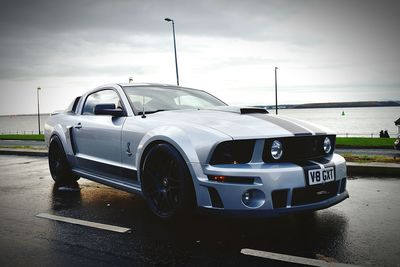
{"x":163,"y":181}
{"x":174,"y":187}
{"x":171,"y":199}
{"x":167,"y":199}
{"x":157,"y":199}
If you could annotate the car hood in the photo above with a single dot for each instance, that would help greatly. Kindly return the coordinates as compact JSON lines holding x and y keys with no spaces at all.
{"x":240,"y":123}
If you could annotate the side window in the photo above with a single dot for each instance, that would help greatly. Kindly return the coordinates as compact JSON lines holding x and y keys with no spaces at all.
{"x":100,"y":97}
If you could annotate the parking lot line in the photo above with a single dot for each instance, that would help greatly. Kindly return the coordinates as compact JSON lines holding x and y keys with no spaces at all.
{"x":108,"y":227}
{"x":291,"y":259}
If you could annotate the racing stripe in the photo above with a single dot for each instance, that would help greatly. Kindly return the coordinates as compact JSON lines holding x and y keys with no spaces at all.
{"x":287,"y":125}
{"x":309,"y":126}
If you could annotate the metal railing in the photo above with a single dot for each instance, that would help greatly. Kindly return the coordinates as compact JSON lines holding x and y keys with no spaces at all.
{"x":21,"y":132}
{"x":371,"y":135}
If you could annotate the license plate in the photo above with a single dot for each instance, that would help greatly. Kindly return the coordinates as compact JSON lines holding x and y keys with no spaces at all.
{"x":321,"y":176}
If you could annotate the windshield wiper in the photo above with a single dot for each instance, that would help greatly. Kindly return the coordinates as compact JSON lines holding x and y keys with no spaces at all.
{"x":152,"y":111}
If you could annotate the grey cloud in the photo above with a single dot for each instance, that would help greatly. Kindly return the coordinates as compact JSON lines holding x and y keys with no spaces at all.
{"x":36,"y":33}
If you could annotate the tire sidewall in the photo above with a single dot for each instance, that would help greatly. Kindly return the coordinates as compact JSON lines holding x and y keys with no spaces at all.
{"x":65,"y":174}
{"x":187,"y":201}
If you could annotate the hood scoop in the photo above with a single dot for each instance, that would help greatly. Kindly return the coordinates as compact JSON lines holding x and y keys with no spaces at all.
{"x":241,"y":110}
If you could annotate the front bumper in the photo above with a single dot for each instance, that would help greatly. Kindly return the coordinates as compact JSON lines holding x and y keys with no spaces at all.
{"x":280,"y":188}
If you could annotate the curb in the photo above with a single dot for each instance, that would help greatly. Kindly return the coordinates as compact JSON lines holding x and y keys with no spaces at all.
{"x":24,"y":152}
{"x":353,"y":168}
{"x":372,"y":169}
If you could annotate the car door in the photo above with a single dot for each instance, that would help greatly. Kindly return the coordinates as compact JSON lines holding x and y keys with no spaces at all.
{"x":97,"y":138}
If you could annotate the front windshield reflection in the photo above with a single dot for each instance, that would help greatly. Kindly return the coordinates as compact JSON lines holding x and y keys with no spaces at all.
{"x":154,"y":99}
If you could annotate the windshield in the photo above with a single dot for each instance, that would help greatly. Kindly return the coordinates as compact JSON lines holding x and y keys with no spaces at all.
{"x":157,"y":99}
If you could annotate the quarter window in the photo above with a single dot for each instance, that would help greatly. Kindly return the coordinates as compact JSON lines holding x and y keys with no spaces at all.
{"x":100,"y":97}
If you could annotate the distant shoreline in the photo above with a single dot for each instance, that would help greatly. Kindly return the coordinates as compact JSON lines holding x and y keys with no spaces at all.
{"x":23,"y":115}
{"x":359,"y":104}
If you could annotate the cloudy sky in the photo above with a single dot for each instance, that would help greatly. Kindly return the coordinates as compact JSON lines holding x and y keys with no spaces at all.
{"x":326,"y":51}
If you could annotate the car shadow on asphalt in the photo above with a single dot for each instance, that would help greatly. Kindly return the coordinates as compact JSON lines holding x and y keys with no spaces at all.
{"x":307,"y":234}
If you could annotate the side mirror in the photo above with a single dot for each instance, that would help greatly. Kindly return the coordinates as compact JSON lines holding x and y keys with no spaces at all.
{"x":108,"y":109}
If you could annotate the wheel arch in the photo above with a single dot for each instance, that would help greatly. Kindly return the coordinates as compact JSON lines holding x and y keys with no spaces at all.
{"x":179,"y":150}
{"x":163,"y":140}
{"x":173,"y":136}
{"x":64,"y":137}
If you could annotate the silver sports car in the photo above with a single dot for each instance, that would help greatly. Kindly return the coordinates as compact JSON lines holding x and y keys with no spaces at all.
{"x":183,"y":149}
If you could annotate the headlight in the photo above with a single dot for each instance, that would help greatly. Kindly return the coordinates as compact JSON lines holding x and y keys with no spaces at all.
{"x":233,"y":152}
{"x":276,"y":150}
{"x":327,"y":145}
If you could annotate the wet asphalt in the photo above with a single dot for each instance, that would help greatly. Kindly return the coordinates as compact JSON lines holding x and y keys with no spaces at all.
{"x":362,"y":230}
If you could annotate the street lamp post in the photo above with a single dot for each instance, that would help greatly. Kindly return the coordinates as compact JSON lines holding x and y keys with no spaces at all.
{"x":176,"y":59}
{"x":38,"y":108}
{"x":276,"y":92}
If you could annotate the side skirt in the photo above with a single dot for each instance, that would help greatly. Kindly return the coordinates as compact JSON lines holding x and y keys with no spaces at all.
{"x":122,"y":185}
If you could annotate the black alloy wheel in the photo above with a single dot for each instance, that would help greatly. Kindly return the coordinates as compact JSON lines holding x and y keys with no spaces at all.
{"x":166,"y":182}
{"x":58,"y":163}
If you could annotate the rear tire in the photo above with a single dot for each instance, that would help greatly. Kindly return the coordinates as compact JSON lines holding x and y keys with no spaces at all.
{"x":58,"y":164}
{"x":167,"y":183}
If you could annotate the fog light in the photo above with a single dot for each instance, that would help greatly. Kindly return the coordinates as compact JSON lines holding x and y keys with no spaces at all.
{"x":253,"y":198}
{"x":247,"y":198}
{"x":327,"y":145}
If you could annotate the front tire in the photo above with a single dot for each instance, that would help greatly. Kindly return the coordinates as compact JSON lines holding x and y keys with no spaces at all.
{"x":166,"y":182}
{"x":58,"y":164}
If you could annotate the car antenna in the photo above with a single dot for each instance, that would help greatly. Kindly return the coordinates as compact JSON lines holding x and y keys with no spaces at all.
{"x":143,"y":112}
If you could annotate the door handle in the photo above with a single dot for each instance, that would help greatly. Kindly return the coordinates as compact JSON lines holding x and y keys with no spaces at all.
{"x":78,"y":126}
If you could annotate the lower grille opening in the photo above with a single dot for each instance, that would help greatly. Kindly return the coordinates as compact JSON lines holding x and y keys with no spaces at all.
{"x":314,"y":194}
{"x":343,"y":185}
{"x":215,"y":198}
{"x":279,"y":198}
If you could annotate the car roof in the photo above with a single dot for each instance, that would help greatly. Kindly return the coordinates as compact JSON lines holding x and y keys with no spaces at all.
{"x":158,"y":85}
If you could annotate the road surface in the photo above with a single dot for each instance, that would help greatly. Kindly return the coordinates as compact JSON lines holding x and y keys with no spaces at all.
{"x":362,"y":230}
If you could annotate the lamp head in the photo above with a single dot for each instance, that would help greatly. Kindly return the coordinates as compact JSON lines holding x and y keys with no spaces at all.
{"x":168,"y":19}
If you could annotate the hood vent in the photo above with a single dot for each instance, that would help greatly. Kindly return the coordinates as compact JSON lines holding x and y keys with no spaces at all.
{"x":241,"y":110}
{"x":253,"y":110}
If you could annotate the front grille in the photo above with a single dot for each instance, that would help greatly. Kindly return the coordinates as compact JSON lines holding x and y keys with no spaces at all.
{"x":233,"y":152}
{"x":299,"y":148}
{"x":314,"y":194}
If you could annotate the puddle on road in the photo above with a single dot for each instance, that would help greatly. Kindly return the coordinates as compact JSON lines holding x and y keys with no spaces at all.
{"x":68,"y":189}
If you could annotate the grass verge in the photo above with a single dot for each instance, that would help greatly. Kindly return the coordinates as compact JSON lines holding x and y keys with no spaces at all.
{"x":30,"y":137}
{"x":364,"y":142}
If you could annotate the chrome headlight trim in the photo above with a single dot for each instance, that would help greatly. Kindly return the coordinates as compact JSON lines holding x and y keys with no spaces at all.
{"x":327,"y":146}
{"x":276,"y":150}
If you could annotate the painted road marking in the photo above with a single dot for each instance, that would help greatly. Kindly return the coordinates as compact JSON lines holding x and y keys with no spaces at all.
{"x":108,"y":227}
{"x":291,"y":259}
